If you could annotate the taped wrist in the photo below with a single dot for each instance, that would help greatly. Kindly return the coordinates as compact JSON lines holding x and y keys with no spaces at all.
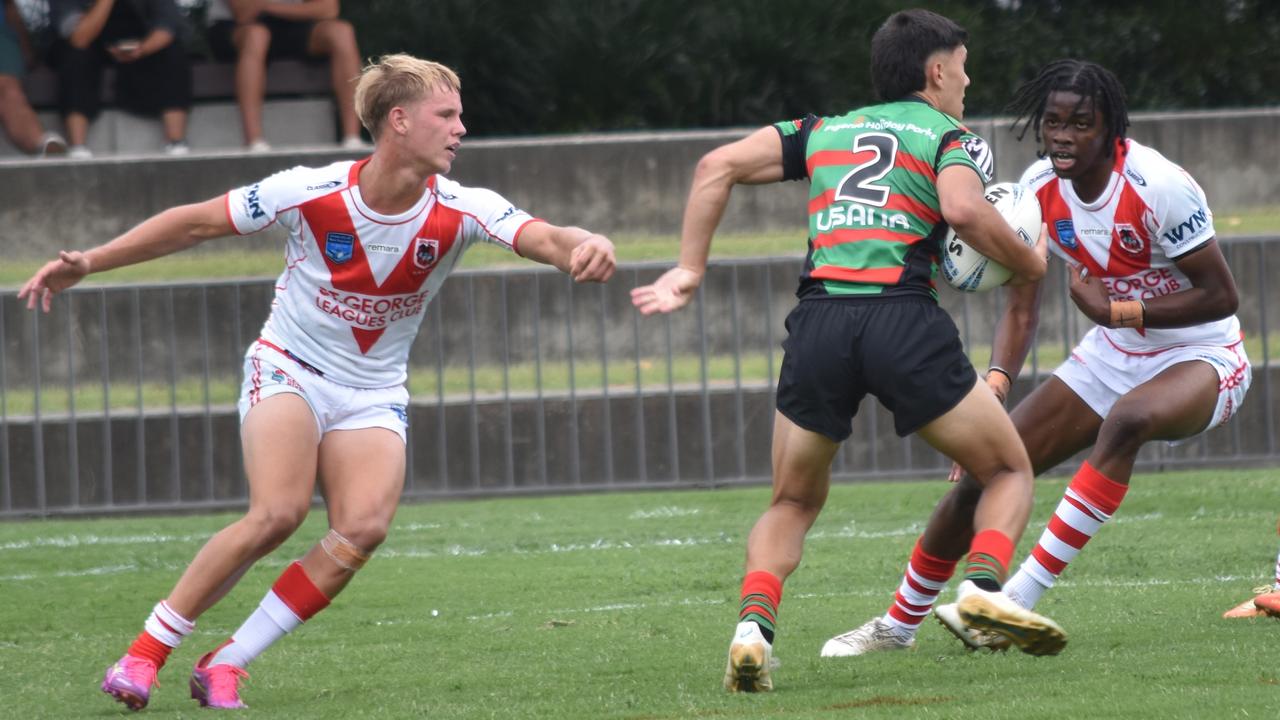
{"x":343,"y":552}
{"x":1127,"y":313}
{"x":999,"y":381}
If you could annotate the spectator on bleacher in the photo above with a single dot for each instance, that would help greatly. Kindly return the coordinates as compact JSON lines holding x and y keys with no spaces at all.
{"x":143,"y":40}
{"x":16,"y":116}
{"x":251,"y":32}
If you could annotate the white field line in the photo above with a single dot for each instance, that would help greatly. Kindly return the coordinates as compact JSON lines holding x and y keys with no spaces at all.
{"x":89,"y":540}
{"x":847,"y":532}
{"x":663,"y":512}
{"x":850,"y":531}
{"x":885,"y":592}
{"x":71,"y":541}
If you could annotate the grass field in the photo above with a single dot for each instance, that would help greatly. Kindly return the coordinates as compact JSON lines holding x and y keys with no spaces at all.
{"x":621,"y":606}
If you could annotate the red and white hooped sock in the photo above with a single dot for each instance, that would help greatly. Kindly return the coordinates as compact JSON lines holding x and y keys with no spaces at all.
{"x":1090,"y":500}
{"x":923,"y":580}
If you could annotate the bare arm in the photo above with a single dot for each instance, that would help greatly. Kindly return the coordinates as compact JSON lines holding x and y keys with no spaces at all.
{"x":1212,"y":295}
{"x":91,"y":24}
{"x":584,"y":256}
{"x":1014,"y":333}
{"x":960,"y":192}
{"x":753,"y":160}
{"x":172,"y":230}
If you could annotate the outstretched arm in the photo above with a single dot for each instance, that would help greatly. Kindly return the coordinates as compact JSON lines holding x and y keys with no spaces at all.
{"x":585,"y":256}
{"x":172,"y":230}
{"x":753,"y":160}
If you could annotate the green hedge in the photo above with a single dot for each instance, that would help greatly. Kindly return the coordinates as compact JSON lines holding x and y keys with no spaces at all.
{"x":550,"y":66}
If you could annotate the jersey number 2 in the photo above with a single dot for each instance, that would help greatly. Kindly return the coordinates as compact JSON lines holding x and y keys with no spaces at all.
{"x":860,"y":184}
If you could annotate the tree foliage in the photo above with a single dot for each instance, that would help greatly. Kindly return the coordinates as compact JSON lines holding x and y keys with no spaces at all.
{"x":548,"y":66}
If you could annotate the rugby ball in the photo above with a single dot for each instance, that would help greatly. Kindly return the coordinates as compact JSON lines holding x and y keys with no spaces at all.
{"x":969,"y":270}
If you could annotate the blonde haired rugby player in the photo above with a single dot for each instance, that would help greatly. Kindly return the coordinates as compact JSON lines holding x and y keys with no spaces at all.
{"x":370,"y":242}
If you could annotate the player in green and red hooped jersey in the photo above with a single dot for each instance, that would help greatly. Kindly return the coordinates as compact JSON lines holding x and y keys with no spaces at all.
{"x":1166,"y":359}
{"x":886,"y":182}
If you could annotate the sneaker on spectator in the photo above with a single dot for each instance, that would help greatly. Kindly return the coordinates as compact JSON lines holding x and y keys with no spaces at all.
{"x":79,"y":152}
{"x":258,"y":146}
{"x":51,"y":143}
{"x":177,"y":147}
{"x":354,"y":142}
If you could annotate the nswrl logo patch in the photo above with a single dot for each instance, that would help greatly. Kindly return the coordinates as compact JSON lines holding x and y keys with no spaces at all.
{"x":339,"y":246}
{"x":1067,"y":234}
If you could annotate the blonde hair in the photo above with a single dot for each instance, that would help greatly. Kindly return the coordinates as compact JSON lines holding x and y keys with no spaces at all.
{"x":397,"y":80}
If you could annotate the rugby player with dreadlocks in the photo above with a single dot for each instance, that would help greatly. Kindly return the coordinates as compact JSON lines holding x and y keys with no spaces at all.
{"x":1165,"y":361}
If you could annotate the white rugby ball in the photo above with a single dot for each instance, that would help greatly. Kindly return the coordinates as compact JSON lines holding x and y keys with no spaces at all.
{"x":969,"y":270}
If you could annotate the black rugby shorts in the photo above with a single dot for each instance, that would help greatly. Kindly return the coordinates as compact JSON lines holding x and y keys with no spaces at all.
{"x":904,"y":351}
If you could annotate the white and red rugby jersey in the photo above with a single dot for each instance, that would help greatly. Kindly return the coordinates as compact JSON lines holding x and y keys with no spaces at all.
{"x":356,"y":283}
{"x":1150,"y":214}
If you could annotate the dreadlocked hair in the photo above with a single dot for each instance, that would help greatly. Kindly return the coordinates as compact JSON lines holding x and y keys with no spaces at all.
{"x":1086,"y":79}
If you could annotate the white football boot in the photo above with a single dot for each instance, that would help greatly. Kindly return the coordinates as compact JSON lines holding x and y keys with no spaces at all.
{"x":750,"y":659}
{"x":874,"y":635}
{"x":1033,"y":633}
{"x":949,"y":616}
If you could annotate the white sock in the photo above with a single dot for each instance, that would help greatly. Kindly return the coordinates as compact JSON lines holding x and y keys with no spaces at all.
{"x":1276,"y":586}
{"x":168,"y":626}
{"x":270,"y":622}
{"x":1024,"y":589}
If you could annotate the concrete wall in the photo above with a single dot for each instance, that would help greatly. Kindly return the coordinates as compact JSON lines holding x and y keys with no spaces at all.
{"x":616,"y":183}
{"x":1231,"y":153}
{"x":286,"y":123}
{"x":118,"y":335}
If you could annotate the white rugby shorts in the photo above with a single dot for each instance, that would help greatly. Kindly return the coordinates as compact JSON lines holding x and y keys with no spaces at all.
{"x":1099,"y":372}
{"x":268,"y":371}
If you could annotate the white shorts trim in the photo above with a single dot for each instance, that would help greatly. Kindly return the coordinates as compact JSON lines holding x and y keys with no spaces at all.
{"x":268,"y":372}
{"x":1100,"y":372}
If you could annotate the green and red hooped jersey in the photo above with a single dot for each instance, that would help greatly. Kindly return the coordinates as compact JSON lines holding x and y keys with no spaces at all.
{"x":875,"y":223}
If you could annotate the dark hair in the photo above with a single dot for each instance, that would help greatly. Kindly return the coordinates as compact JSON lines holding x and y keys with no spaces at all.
{"x":903,"y":44}
{"x":1086,"y":79}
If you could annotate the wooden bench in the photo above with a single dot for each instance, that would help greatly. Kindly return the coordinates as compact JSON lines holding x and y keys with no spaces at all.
{"x":210,"y":81}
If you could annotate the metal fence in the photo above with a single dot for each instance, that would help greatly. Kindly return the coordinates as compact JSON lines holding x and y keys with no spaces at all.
{"x":123,"y":398}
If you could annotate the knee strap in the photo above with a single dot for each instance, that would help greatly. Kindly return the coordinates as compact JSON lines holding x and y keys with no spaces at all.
{"x":343,"y":552}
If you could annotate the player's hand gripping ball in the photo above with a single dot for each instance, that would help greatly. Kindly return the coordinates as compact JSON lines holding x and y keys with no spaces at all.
{"x":969,"y":270}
